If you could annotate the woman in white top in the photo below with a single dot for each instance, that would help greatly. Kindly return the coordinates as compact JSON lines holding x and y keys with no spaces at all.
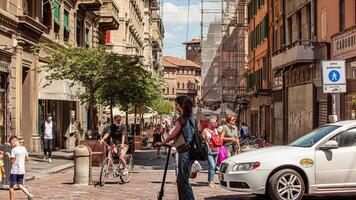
{"x":211,"y":136}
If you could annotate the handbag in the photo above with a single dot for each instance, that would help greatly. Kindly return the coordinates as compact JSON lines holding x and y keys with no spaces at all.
{"x":195,"y":169}
{"x":222,"y":155}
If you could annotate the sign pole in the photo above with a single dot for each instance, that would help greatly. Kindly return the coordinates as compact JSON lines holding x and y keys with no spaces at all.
{"x":334,"y":82}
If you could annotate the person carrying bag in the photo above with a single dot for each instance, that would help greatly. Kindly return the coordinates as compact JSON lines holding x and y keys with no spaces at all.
{"x":188,"y":144}
{"x":211,"y":136}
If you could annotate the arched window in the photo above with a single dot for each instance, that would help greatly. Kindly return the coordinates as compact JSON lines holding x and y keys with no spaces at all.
{"x":178,"y":85}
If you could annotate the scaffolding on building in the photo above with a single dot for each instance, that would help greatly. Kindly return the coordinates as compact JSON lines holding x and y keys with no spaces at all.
{"x":224,"y":51}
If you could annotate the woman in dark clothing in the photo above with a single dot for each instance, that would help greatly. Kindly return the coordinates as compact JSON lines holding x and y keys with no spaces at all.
{"x":184,"y":106}
{"x":157,"y":137}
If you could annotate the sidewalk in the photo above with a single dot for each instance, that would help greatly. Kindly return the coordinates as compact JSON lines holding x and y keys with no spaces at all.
{"x":147,"y":160}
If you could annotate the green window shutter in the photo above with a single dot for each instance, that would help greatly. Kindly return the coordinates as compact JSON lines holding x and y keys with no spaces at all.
{"x":266,"y":25}
{"x":258,"y":34}
{"x":261,"y":32}
{"x":66,"y":21}
{"x":56,"y":12}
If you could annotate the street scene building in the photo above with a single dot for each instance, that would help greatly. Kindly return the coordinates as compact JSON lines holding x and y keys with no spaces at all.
{"x":150,"y":99}
{"x":182,"y":78}
{"x":26,"y":96}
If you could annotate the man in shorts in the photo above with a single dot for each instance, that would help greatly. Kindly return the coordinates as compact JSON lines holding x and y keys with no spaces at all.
{"x":118,"y":134}
{"x":17,"y":158}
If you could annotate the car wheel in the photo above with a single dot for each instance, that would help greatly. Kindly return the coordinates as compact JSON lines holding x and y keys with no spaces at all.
{"x":286,"y":184}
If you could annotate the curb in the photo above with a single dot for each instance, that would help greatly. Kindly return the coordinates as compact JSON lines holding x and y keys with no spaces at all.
{"x":37,"y":156}
{"x":54,"y":170}
{"x":30,"y":178}
{"x":61,"y":168}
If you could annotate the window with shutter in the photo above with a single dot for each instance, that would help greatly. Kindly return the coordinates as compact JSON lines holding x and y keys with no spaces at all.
{"x":66,"y":21}
{"x":56,"y":13}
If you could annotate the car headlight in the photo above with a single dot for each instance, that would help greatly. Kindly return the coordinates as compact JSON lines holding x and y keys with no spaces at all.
{"x":246,"y":166}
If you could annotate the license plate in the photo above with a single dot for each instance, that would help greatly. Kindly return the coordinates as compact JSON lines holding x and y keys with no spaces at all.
{"x":221,"y":177}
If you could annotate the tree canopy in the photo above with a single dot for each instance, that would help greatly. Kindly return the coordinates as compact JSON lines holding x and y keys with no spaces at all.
{"x":107,"y":78}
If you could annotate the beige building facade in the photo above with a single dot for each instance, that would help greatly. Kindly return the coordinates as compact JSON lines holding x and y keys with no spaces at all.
{"x":140,"y":32}
{"x":24,"y":97}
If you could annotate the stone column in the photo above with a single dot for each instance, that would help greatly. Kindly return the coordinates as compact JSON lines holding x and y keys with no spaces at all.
{"x":38,"y":11}
{"x":35,"y":138}
{"x":18,"y":88}
{"x":61,"y":21}
{"x":19,"y":7}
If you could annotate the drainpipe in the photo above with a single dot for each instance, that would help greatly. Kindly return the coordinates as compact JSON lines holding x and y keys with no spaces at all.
{"x":313,"y":21}
{"x":285,"y":109}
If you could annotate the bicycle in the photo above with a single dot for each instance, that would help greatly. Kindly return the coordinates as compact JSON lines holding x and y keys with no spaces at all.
{"x":111,"y":166}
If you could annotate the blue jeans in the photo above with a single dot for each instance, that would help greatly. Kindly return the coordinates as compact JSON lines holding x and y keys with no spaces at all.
{"x":185,"y":191}
{"x":212,"y":161}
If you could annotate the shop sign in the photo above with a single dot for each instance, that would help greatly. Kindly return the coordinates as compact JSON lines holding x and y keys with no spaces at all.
{"x":344,"y":44}
{"x":334,"y":76}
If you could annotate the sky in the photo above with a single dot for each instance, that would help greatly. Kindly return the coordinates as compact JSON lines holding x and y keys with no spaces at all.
{"x":175,"y":18}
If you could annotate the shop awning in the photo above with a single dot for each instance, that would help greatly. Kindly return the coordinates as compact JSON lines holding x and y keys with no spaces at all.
{"x":64,"y":90}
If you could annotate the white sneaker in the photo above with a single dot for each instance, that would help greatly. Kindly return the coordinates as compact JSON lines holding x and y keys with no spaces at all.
{"x":44,"y":158}
{"x":50,"y":160}
{"x":30,"y":197}
{"x":126,"y":172}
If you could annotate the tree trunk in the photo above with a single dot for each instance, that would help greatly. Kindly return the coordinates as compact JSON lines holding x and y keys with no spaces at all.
{"x":142,"y":125}
{"x":91,"y":112}
{"x":135,"y":119}
{"x":111,"y":112}
{"x":127,"y":118}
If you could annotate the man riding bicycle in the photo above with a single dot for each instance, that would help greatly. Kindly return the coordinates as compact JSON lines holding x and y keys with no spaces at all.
{"x":118,"y":134}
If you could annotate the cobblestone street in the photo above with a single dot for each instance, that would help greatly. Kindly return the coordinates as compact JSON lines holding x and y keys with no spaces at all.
{"x":145,"y":184}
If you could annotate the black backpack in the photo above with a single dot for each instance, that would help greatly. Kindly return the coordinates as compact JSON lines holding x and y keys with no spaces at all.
{"x":198,"y":149}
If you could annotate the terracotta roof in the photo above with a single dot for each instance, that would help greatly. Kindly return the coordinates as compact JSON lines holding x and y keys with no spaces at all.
{"x":179,"y":62}
{"x":193,"y":41}
{"x":165,"y":63}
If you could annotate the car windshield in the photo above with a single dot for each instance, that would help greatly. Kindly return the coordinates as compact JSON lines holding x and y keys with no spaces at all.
{"x":314,"y":136}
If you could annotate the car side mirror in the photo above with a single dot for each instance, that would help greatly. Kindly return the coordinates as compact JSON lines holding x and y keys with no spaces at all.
{"x":331,"y":144}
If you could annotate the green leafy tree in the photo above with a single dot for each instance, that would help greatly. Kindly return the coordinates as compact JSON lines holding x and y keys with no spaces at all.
{"x":84,"y":66}
{"x":163,"y":107}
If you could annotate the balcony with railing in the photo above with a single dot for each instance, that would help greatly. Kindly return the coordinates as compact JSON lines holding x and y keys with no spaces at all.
{"x":109,"y":15}
{"x":299,"y":52}
{"x":90,"y":5}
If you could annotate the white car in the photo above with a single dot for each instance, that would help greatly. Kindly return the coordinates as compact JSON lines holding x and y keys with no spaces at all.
{"x":323,"y":161}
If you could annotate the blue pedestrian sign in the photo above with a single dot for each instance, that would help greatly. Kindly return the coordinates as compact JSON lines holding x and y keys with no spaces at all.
{"x":334,"y":76}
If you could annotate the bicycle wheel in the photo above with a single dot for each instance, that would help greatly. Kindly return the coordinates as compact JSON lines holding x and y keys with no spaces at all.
{"x":129,"y":166}
{"x":104,"y":172}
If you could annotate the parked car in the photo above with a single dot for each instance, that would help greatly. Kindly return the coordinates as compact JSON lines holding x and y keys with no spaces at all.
{"x":321,"y":162}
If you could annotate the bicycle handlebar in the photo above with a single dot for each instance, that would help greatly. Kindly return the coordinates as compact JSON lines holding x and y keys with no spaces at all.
{"x":106,"y":144}
{"x":168,"y":145}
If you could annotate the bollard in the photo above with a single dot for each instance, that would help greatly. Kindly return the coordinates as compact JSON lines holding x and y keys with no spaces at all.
{"x":82,"y":169}
{"x":7,"y":166}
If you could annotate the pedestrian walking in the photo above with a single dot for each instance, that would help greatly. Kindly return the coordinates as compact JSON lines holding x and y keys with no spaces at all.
{"x":244,"y":130}
{"x":221,"y":127}
{"x":230,"y":136}
{"x":17,"y":174}
{"x":211,"y":136}
{"x":48,"y":134}
{"x":2,"y":166}
{"x":157,"y":137}
{"x":183,"y":135}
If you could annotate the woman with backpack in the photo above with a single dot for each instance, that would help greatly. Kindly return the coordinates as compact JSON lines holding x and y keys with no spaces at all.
{"x":211,"y":136}
{"x":182,"y":136}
